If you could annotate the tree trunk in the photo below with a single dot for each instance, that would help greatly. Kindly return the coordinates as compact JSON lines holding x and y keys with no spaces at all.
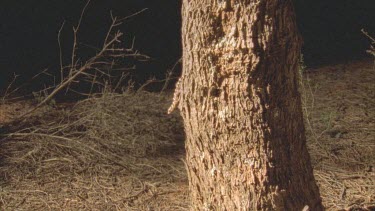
{"x":238,"y":96}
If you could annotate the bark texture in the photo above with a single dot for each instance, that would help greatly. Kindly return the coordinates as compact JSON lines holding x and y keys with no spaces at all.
{"x":238,"y":96}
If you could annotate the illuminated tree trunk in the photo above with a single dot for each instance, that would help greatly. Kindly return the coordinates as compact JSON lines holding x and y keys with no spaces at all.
{"x":238,"y":96}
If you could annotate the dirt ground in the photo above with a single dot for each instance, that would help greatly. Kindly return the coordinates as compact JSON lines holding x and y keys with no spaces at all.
{"x":123,"y":152}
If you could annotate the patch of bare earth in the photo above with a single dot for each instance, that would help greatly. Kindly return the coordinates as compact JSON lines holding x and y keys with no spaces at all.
{"x":8,"y":110}
{"x":123,"y":152}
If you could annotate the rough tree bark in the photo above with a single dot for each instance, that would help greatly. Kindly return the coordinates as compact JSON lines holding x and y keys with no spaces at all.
{"x":238,"y":96}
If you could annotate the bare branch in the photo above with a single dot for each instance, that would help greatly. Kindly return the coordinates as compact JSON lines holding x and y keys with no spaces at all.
{"x":75,"y":32}
{"x":93,"y":68}
{"x":61,"y":59}
{"x":132,"y":15}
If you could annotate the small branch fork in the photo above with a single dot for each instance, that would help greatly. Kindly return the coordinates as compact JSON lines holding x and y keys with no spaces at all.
{"x":372,"y":47}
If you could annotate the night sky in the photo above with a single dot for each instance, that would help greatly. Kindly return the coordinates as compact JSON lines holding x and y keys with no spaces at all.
{"x":28,"y":31}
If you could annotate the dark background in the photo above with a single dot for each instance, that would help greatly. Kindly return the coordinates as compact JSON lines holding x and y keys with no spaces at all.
{"x":29,"y":28}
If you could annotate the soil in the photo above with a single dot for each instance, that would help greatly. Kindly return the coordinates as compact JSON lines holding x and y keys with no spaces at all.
{"x":62,"y":159}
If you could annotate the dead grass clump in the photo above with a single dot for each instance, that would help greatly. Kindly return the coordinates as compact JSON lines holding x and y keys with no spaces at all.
{"x":110,"y":152}
{"x":132,"y":120}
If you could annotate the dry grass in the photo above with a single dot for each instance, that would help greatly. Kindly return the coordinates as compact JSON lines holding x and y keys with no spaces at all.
{"x":341,"y":133}
{"x":122,"y":152}
{"x":112,"y":152}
